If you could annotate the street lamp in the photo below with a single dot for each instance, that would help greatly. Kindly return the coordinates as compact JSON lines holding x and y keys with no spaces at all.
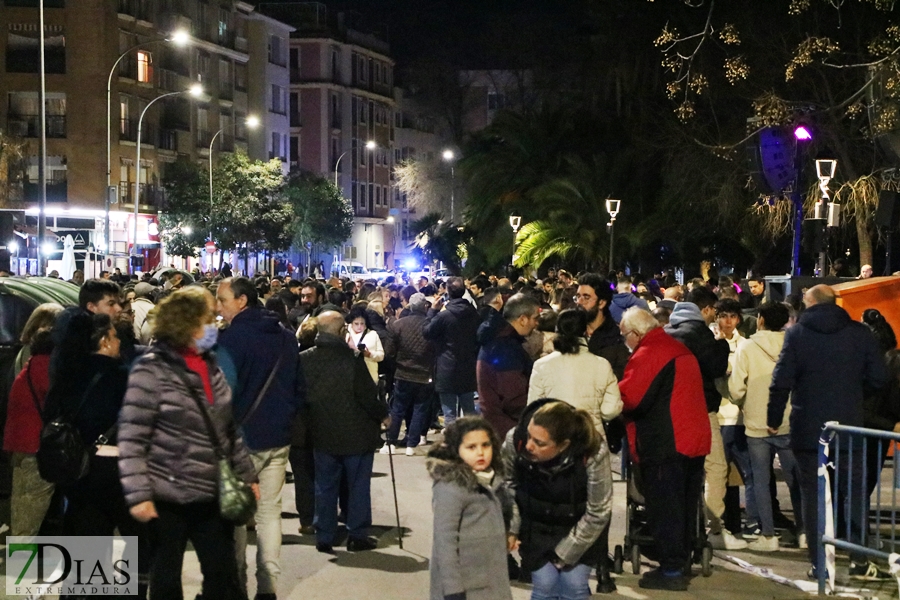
{"x":180,"y":38}
{"x":612,"y":207}
{"x":825,"y":209}
{"x":370,"y":145}
{"x":194,"y":91}
{"x":449,"y":156}
{"x":252,"y":122}
{"x":515,"y":221}
{"x":801,"y":134}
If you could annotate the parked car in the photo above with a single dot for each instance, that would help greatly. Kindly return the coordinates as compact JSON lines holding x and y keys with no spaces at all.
{"x":349,"y":268}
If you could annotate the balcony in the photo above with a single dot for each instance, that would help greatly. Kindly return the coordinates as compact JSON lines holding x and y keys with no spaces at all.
{"x":29,"y":126}
{"x":168,"y":140}
{"x":151,"y":195}
{"x":57,"y":191}
{"x":128,"y":132}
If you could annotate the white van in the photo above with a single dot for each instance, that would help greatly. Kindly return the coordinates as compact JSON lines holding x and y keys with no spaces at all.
{"x":349,"y":268}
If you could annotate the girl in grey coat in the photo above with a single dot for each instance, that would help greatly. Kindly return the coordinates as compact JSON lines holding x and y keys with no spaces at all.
{"x":468,"y":558}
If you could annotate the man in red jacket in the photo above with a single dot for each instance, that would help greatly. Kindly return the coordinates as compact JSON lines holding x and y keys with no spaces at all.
{"x":669,"y":435}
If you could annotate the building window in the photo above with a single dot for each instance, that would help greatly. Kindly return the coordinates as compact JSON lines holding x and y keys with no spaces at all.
{"x":202,"y":126}
{"x":275,"y":148}
{"x":335,"y":111}
{"x":240,"y":77}
{"x":277,"y":99}
{"x":203,"y":19}
{"x":144,"y":67}
{"x":363,"y":205}
{"x":202,"y":66}
{"x":295,"y":64}
{"x":335,"y":65}
{"x":223,"y":26}
{"x":377,"y":74}
{"x":23,"y":49}
{"x":295,"y":151}
{"x":276,"y":50}
{"x":240,"y":126}
{"x":295,"y":120}
{"x":24,"y":119}
{"x":362,"y":68}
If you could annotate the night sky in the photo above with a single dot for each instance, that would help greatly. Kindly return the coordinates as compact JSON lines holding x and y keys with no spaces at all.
{"x":467,"y":33}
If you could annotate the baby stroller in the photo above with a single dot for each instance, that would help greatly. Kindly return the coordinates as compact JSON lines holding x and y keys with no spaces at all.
{"x":637,"y":536}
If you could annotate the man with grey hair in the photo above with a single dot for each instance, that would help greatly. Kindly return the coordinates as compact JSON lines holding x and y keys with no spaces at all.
{"x":827,"y":363}
{"x":669,"y":435}
{"x":344,"y":424}
{"x":414,"y":356}
{"x":504,"y":367}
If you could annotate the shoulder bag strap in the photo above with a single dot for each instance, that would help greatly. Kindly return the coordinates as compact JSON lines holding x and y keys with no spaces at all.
{"x":34,"y":396}
{"x":84,"y":399}
{"x":204,"y":411}
{"x":262,"y":392}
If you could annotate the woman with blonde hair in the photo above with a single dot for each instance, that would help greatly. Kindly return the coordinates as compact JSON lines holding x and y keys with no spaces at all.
{"x":168,"y":454}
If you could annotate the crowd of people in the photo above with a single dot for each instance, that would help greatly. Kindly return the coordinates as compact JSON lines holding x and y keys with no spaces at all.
{"x":532,"y":384}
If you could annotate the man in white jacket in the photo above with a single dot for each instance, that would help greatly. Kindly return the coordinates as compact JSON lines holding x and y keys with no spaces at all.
{"x":748,"y":386}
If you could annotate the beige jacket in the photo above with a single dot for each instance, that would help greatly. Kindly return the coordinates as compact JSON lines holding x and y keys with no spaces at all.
{"x":751,"y":374}
{"x":584,"y":380}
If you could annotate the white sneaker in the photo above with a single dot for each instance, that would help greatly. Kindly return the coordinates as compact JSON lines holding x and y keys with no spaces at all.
{"x":801,"y":541}
{"x":388,"y":449}
{"x":410,"y":451}
{"x":726,"y":541}
{"x":764,"y":544}
{"x":423,"y":441}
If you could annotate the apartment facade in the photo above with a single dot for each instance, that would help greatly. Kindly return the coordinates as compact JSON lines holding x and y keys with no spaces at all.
{"x":84,"y":41}
{"x":341,"y":109}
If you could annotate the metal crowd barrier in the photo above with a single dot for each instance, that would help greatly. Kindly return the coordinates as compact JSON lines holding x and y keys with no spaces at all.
{"x":843,"y":451}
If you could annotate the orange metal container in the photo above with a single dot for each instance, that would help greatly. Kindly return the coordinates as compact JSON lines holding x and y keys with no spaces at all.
{"x":882,"y":293}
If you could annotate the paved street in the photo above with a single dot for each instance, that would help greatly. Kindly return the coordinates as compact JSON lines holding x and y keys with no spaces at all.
{"x":393,"y":574}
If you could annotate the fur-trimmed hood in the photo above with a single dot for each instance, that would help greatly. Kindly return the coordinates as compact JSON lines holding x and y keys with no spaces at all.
{"x":454,"y":471}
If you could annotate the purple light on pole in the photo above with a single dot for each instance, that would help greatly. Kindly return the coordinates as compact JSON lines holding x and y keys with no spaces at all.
{"x":802,"y":133}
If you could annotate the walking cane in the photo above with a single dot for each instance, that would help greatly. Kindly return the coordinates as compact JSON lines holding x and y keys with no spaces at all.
{"x":394,"y":487}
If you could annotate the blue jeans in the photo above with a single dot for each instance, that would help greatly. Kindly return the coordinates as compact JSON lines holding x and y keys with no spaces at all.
{"x":761,"y":452}
{"x":358,"y":471}
{"x":409,"y":394}
{"x":549,"y":583}
{"x":734,"y":439}
{"x":449,"y":402}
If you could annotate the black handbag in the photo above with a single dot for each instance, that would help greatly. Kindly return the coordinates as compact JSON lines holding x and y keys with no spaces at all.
{"x":62,"y":457}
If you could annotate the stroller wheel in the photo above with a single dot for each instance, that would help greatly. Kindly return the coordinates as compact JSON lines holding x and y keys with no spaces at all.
{"x":636,"y":559}
{"x":705,"y":560}
{"x":617,"y":560}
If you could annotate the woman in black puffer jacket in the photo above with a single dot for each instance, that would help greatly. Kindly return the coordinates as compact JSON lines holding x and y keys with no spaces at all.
{"x":167,"y":462}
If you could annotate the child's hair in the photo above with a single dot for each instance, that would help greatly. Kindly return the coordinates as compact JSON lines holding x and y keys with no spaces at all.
{"x":453,"y":438}
{"x":565,"y":422}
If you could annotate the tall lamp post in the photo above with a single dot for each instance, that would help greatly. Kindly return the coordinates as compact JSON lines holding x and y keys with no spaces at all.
{"x":179,"y":38}
{"x":449,"y":156}
{"x":515,"y":221}
{"x":612,"y":207}
{"x":801,"y":134}
{"x":825,"y":208}
{"x":370,"y":145}
{"x":194,"y":91}
{"x":252,"y":122}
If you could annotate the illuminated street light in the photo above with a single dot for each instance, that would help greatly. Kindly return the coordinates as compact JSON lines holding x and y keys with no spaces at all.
{"x":449,"y":156}
{"x":612,"y":207}
{"x":802,"y":133}
{"x":195,"y":90}
{"x":252,"y":122}
{"x":179,"y":38}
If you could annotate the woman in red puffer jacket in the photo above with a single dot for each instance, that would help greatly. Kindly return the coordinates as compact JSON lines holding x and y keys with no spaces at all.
{"x":31,"y":495}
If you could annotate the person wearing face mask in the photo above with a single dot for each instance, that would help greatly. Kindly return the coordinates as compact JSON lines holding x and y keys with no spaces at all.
{"x":669,"y":437}
{"x":95,"y":504}
{"x":167,"y":462}
{"x":262,"y":363}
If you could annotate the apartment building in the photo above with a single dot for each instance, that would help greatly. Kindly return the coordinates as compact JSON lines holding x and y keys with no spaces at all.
{"x":128,"y":49}
{"x":341,"y":109}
